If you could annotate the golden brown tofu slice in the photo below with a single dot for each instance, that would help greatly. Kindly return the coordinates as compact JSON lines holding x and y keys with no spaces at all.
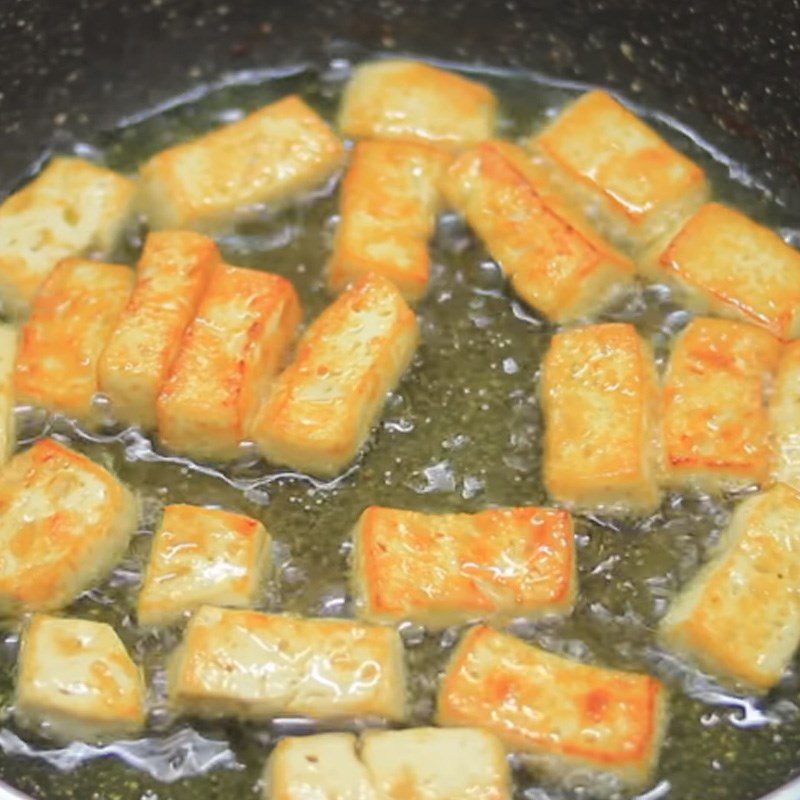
{"x":785,"y":418}
{"x":9,"y":342}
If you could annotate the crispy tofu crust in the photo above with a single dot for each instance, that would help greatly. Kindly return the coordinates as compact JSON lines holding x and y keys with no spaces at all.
{"x":171,"y":276}
{"x":785,"y":418}
{"x":442,"y":569}
{"x":9,"y":342}
{"x":554,"y":261}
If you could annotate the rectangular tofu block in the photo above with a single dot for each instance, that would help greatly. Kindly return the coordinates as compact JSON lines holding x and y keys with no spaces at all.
{"x":64,"y":523}
{"x":171,"y":276}
{"x":443,"y":569}
{"x":9,"y":342}
{"x":72,"y":209}
{"x":414,"y":102}
{"x":785,"y":418}
{"x":250,"y":665}
{"x":245,"y":325}
{"x":202,"y":556}
{"x":554,"y":261}
{"x":76,"y":681}
{"x":607,"y":161}
{"x":322,"y":408}
{"x":388,"y":207}
{"x":71,"y":321}
{"x":599,"y":398}
{"x":715,"y":411}
{"x":558,"y":712}
{"x":723,"y":263}
{"x":269,"y":156}
{"x":739,"y":617}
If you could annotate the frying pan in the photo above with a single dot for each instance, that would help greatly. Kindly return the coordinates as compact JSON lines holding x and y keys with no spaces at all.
{"x":728,"y":70}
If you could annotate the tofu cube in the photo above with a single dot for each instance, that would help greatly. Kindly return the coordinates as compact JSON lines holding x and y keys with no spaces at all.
{"x":9,"y":341}
{"x":245,"y":325}
{"x":269,"y":156}
{"x":414,"y":102}
{"x":716,"y":418}
{"x":321,"y":409}
{"x":171,"y":276}
{"x":559,"y":713}
{"x":606,"y":160}
{"x":256,"y":666}
{"x":390,"y":199}
{"x":72,"y":319}
{"x":64,"y":523}
{"x":554,"y":261}
{"x":72,"y":209}
{"x":202,"y":556}
{"x":785,"y":418}
{"x":443,"y":569}
{"x":739,"y":617}
{"x":599,"y":398}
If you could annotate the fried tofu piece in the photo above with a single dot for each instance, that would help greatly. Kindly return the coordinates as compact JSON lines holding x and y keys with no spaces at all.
{"x":739,"y":617}
{"x":599,"y":397}
{"x":71,"y":321}
{"x":414,"y":102}
{"x":606,"y":160}
{"x":245,"y":325}
{"x":72,"y":209}
{"x":64,"y":523}
{"x":785,"y":418}
{"x":269,"y":156}
{"x":390,"y":199}
{"x":557,"y":712}
{"x":76,"y":681}
{"x":9,"y":341}
{"x":202,"y":556}
{"x":171,"y":276}
{"x":442,"y":569}
{"x":250,"y":665}
{"x":554,"y":261}
{"x":321,"y":409}
{"x":715,"y":410}
{"x":723,"y":263}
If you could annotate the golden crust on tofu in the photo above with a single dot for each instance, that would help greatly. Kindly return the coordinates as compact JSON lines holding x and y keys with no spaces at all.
{"x":75,"y":680}
{"x":72,"y":318}
{"x":390,"y":198}
{"x":442,"y":569}
{"x":272,"y":154}
{"x":785,"y":418}
{"x":321,"y":409}
{"x":64,"y":522}
{"x":9,"y":341}
{"x":202,"y":556}
{"x":739,"y":617}
{"x":414,"y":102}
{"x":245,"y":324}
{"x":554,"y":261}
{"x":257,"y":666}
{"x":171,"y":275}
{"x":715,"y":415}
{"x":558,"y":712}
{"x":73,"y":208}
{"x":599,"y":397}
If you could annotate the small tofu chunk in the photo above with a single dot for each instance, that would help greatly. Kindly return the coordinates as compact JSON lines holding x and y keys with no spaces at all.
{"x":604,"y":159}
{"x":739,"y":617}
{"x":554,"y":261}
{"x":245,"y":324}
{"x":725,"y":264}
{"x":73,"y":208}
{"x":414,"y":102}
{"x":599,"y":400}
{"x":321,"y":409}
{"x":442,"y":569}
{"x":716,"y":420}
{"x":390,"y":198}
{"x":171,"y":276}
{"x":64,"y":523}
{"x":785,"y":418}
{"x":269,"y":156}
{"x":72,"y":319}
{"x":202,"y":556}
{"x":250,"y":665}
{"x":559,"y":713}
{"x":9,"y":339}
{"x":75,"y":680}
